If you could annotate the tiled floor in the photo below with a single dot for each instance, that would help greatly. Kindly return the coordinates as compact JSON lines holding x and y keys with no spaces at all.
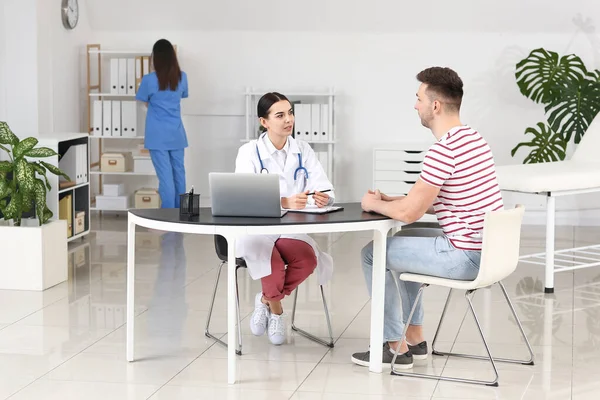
{"x":69,"y":341}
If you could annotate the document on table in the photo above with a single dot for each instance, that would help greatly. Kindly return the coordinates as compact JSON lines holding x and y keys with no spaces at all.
{"x":313,"y":209}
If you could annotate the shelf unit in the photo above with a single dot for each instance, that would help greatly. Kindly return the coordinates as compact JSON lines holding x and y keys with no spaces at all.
{"x":97,"y":70}
{"x":80,"y":192}
{"x":252,"y":95}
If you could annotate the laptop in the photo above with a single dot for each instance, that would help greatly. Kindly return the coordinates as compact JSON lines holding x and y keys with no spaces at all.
{"x":245,"y":195}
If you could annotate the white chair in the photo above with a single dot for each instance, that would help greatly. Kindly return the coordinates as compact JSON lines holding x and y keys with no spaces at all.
{"x":499,"y":258}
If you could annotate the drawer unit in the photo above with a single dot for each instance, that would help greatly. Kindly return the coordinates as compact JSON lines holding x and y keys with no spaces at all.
{"x":397,"y":168}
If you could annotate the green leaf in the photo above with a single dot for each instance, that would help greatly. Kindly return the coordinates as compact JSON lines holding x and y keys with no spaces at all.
{"x":40,"y":152}
{"x":40,"y":199}
{"x":27,"y":201}
{"x":5,"y":189}
{"x":6,"y":149}
{"x":14,"y":209}
{"x":541,"y":74}
{"x":574,"y":110}
{"x":6,"y":135}
{"x":55,"y":170}
{"x":24,"y":175}
{"x":24,"y":146}
{"x":547,"y":145}
{"x":6,"y":166}
{"x":46,"y":215}
{"x":42,"y":171}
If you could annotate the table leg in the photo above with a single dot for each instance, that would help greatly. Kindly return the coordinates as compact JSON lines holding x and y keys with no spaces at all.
{"x":231,"y":311}
{"x":377,"y":299}
{"x":550,"y":214}
{"x":130,"y":289}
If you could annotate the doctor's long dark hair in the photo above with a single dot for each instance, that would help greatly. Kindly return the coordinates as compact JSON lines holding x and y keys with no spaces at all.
{"x":266,"y":101}
{"x":166,"y":65}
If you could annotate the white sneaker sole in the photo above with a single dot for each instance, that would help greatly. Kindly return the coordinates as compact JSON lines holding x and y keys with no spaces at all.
{"x":385,"y":365}
{"x":420,"y":357}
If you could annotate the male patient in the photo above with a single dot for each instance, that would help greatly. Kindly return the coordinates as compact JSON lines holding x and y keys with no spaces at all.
{"x":458,"y":183}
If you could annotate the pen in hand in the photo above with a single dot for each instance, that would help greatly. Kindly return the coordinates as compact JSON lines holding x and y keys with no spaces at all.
{"x":320,"y":191}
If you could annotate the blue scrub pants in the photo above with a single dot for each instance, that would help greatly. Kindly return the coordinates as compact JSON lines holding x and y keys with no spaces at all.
{"x":171,"y":175}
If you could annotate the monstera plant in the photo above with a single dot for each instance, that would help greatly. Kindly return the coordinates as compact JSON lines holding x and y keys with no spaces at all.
{"x":21,"y":189}
{"x":571,"y":97}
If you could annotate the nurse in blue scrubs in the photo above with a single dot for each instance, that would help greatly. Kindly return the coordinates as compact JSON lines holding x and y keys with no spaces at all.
{"x":166,"y":139}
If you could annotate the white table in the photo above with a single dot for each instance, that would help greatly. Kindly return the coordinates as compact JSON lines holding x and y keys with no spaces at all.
{"x":351,"y":219}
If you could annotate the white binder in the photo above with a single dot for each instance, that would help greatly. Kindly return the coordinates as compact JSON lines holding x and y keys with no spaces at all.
{"x":131,"y":76}
{"x":325,"y":136}
{"x":298,"y":111}
{"x":68,"y":163}
{"x":122,"y":76}
{"x":97,"y":118}
{"x":114,"y":76}
{"x":315,"y":122}
{"x":303,"y":121}
{"x":84,"y":163}
{"x":116,"y":118}
{"x":128,"y":118}
{"x":106,"y":118}
{"x":145,"y":65}
{"x":138,"y":72}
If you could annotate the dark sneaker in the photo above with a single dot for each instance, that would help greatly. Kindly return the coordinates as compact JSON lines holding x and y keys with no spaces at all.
{"x":419,"y":351}
{"x":403,"y":361}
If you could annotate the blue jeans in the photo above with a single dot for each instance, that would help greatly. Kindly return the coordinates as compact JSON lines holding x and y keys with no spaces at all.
{"x":433,"y":256}
{"x":171,"y":175}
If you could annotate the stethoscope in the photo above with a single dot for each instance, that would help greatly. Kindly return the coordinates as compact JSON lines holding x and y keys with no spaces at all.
{"x":263,"y":170}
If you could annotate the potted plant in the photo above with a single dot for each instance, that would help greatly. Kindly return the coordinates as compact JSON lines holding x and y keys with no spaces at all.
{"x":570,"y":94}
{"x":34,"y":250}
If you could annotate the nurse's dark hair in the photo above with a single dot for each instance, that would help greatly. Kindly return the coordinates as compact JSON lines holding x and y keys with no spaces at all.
{"x":266,"y":101}
{"x":165,"y":64}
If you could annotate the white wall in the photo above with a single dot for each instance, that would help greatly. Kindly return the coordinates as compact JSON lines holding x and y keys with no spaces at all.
{"x":41,"y":90}
{"x":61,"y":62}
{"x":20,"y":66}
{"x":2,"y":63}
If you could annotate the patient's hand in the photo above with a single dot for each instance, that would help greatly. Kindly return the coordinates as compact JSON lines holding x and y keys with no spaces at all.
{"x":369,"y":199}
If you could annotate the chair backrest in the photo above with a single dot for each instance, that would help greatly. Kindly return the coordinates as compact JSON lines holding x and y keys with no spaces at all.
{"x":221,"y":247}
{"x":501,"y":242}
{"x":587,"y":149}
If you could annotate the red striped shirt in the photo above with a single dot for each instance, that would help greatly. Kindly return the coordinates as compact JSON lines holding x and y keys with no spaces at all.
{"x":462,"y":166}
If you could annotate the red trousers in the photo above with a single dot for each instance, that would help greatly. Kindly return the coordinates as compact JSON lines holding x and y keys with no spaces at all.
{"x":301,"y":261}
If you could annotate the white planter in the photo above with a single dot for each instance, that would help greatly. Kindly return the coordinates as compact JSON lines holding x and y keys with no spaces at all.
{"x":33,"y":257}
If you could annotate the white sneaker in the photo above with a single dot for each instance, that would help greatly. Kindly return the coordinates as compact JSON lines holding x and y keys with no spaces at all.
{"x":277,"y":329}
{"x":260,"y":317}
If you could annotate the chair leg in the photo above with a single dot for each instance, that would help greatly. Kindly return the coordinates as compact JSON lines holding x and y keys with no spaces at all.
{"x":207,"y":333}
{"x":437,"y":331}
{"x":493,"y":382}
{"x":530,"y":361}
{"x":306,"y":334}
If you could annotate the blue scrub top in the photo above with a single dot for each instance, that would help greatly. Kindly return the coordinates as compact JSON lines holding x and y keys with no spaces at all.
{"x":164,"y":127}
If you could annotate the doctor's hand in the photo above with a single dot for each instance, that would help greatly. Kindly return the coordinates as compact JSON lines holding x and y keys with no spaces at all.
{"x":321,"y":199}
{"x":370,"y":198}
{"x":295,"y":202}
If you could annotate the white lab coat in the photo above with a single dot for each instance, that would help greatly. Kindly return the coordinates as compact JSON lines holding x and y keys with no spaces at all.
{"x":256,"y":249}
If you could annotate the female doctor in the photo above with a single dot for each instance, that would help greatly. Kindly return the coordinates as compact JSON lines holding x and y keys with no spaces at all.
{"x":300,"y":173}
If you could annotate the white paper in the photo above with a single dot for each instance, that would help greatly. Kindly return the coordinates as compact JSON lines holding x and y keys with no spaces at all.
{"x":316,"y":210}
